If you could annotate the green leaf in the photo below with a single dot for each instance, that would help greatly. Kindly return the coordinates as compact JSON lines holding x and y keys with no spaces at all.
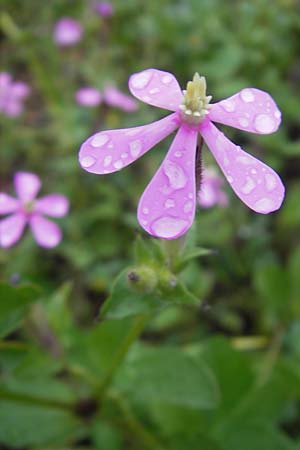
{"x":23,"y":425}
{"x":13,"y":305}
{"x":168,"y":375}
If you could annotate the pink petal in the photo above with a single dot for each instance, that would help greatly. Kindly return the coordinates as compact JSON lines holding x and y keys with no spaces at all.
{"x":8,"y":204}
{"x":114,"y":97}
{"x":167,"y":207}
{"x":20,"y":90}
{"x":157,"y":88}
{"x":46,"y":233}
{"x":88,"y":96}
{"x":109,"y":151}
{"x":27,"y":185}
{"x":254,"y":182}
{"x":11,"y":229}
{"x":55,"y":205}
{"x":250,"y":109}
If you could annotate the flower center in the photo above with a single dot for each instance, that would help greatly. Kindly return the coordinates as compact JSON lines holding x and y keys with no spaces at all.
{"x":195,"y":104}
{"x":28,"y":207}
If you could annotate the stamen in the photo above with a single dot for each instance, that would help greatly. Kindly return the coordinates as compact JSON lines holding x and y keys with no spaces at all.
{"x":195,"y":105}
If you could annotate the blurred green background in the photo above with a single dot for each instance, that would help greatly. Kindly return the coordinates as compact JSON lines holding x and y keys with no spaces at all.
{"x":219,"y":373}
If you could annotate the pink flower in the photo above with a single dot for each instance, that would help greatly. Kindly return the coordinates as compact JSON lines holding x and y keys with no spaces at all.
{"x":104,"y":9}
{"x":67,"y":31}
{"x":88,"y":96}
{"x":210,"y":193}
{"x":26,"y":209}
{"x":114,"y":97}
{"x":12,"y":95}
{"x":167,"y":207}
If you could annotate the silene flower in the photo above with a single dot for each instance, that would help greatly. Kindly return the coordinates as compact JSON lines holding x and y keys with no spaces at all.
{"x":91,"y":97}
{"x":12,"y":95}
{"x":67,"y":31}
{"x":167,"y":206}
{"x":104,"y":9}
{"x":27,"y":209}
{"x":211,"y":190}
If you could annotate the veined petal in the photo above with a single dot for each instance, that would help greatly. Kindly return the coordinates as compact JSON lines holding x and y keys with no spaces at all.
{"x":250,"y":110}
{"x":55,"y":205}
{"x":11,"y":229}
{"x":27,"y":185}
{"x":8,"y":204}
{"x":110,"y":151}
{"x":257,"y":185}
{"x":167,"y":206}
{"x":45,"y":232}
{"x":157,"y":88}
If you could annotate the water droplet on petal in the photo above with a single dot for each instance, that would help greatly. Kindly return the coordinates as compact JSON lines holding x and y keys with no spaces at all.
{"x":169,"y":203}
{"x":277,"y":114}
{"x":99,"y":140}
{"x":228,"y":105}
{"x":175,"y":174}
{"x":264,"y":123}
{"x":169,"y":227}
{"x":244,"y":122}
{"x":124,"y":155}
{"x":178,"y":154}
{"x":264,"y":205}
{"x":229,"y":179}
{"x":188,"y":207}
{"x":166,"y":79}
{"x":146,"y":98}
{"x":154,"y":91}
{"x":247,"y":95}
{"x":107,"y":161}
{"x":270,"y":182}
{"x":145,"y":210}
{"x":135,"y":148}
{"x":140,"y":80}
{"x":118,"y":164}
{"x":249,"y":186}
{"x":87,"y":161}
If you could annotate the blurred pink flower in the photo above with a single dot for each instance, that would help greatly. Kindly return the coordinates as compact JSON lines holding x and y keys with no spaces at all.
{"x":12,"y":95}
{"x":114,"y":97}
{"x":104,"y":9}
{"x":88,"y":96}
{"x":167,"y":206}
{"x":67,"y":31}
{"x":211,"y":193}
{"x":26,"y":209}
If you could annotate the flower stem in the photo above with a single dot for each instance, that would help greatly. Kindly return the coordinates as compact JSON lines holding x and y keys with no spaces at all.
{"x":33,"y":400}
{"x":138,"y":326}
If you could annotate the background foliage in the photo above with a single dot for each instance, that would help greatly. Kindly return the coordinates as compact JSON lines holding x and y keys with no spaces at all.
{"x":217,"y":362}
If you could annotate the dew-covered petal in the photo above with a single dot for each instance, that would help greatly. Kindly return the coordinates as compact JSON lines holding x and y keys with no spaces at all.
{"x":110,"y":151}
{"x":157,"y":88}
{"x":27,"y":185}
{"x":257,"y":185}
{"x":167,"y":206}
{"x":54,"y":205}
{"x":11,"y":229}
{"x":8,"y":204}
{"x":45,"y":232}
{"x":250,"y":110}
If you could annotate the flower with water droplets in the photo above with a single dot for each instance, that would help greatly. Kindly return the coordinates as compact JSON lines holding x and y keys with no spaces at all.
{"x":12,"y":95}
{"x":167,"y":206}
{"x":67,"y":31}
{"x":26,"y":209}
{"x":211,"y":193}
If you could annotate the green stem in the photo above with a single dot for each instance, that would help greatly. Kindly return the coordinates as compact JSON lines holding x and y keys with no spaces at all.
{"x":138,"y":326}
{"x":33,"y":400}
{"x":146,"y":437}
